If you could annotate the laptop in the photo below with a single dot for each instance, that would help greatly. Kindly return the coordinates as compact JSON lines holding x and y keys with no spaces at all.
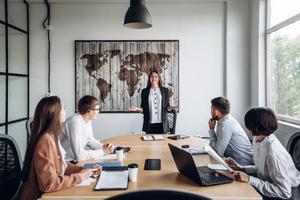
{"x":201,"y":175}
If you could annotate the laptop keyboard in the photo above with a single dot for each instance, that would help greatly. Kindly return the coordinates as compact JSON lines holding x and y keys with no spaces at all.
{"x":208,"y":174}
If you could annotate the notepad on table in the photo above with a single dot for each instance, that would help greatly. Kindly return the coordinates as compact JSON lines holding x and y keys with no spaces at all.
{"x":112,"y":180}
{"x":152,"y":137}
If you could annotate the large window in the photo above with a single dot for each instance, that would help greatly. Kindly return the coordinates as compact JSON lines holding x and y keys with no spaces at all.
{"x":14,"y":70}
{"x":283,"y":61}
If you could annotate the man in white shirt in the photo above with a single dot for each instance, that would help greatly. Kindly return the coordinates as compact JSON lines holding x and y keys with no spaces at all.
{"x":229,"y":139}
{"x":77,"y":136}
{"x":274,"y":174}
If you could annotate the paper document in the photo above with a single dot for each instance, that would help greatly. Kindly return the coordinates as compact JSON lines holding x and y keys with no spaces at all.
{"x":87,"y":182}
{"x":112,"y":180}
{"x":109,"y":157}
{"x":216,"y":156}
{"x":152,"y":137}
{"x":197,"y":150}
{"x":217,"y":167}
{"x":158,"y":137}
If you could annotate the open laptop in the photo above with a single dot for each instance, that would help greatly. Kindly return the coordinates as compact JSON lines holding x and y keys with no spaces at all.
{"x":201,"y":175}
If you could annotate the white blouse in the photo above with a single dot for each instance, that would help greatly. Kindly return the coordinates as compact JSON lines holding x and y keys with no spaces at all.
{"x":155,"y":109}
{"x":274,"y":168}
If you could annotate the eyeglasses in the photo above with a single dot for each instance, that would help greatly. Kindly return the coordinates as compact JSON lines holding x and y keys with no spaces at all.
{"x":97,"y":109}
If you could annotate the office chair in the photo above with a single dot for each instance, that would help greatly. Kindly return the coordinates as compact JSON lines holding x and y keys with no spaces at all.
{"x":158,"y":195}
{"x":10,"y":167}
{"x":294,"y":150}
{"x":172,"y":118}
{"x":29,"y":127}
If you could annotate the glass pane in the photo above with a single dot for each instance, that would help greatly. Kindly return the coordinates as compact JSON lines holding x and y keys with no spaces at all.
{"x":17,"y":51}
{"x":17,"y":14}
{"x":18,"y":132}
{"x":2,"y":48}
{"x":2,"y":99}
{"x":17,"y":97}
{"x":2,"y":129}
{"x":2,"y":10}
{"x":282,"y":10}
{"x":285,"y":71}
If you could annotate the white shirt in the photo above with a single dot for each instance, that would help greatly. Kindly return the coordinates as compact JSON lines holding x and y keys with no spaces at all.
{"x":230,"y":140}
{"x":78,"y":141}
{"x":64,"y":163}
{"x":155,"y":99}
{"x":274,"y":167}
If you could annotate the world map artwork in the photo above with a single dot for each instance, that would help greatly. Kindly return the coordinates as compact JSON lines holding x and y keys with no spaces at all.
{"x":117,"y":71}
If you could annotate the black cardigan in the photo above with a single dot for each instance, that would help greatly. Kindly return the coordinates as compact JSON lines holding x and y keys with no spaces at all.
{"x":164,"y":105}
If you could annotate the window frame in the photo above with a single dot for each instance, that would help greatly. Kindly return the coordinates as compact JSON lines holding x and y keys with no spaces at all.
{"x":269,"y":30}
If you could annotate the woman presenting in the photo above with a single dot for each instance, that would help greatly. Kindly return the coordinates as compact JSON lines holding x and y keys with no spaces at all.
{"x":154,"y":105}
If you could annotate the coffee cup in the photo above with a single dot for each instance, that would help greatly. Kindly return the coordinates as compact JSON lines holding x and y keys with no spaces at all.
{"x":120,"y":153}
{"x":133,"y":171}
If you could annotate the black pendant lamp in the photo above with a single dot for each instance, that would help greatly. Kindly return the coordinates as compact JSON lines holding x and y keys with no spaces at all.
{"x":137,"y":15}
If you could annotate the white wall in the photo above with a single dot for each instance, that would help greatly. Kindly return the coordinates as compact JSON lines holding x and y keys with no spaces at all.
{"x":209,"y":44}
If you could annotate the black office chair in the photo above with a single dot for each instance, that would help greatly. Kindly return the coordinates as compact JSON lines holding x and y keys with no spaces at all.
{"x":293,"y":148}
{"x":10,"y":167}
{"x":158,"y":195}
{"x":172,"y":118}
{"x":29,"y":127}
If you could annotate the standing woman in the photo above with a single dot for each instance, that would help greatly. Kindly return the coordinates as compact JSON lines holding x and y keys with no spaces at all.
{"x":44,"y":167}
{"x":155,"y":103}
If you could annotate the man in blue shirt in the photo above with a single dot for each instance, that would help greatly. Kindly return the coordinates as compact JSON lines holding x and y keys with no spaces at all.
{"x":229,"y":139}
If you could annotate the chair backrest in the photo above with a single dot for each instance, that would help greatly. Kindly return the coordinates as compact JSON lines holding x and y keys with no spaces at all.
{"x":29,"y":127}
{"x":293,"y":148}
{"x":158,"y":195}
{"x":172,"y":118}
{"x":10,"y":167}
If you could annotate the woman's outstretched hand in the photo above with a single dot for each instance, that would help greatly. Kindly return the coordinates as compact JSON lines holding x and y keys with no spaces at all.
{"x":135,"y":109}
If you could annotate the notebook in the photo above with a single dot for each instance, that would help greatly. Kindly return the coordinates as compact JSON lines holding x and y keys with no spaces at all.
{"x":152,"y":137}
{"x":103,"y":164}
{"x":113,"y":180}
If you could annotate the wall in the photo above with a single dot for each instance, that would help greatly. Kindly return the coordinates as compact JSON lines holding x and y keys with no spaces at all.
{"x":214,"y":55}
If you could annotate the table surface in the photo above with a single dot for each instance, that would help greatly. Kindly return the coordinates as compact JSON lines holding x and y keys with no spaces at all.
{"x":166,"y":178}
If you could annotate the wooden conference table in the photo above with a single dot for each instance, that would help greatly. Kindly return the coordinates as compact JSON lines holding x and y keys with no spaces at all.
{"x":166,"y":178}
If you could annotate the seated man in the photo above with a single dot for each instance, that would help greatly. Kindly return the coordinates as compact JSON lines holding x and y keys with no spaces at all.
{"x":77,"y":136}
{"x":229,"y":140}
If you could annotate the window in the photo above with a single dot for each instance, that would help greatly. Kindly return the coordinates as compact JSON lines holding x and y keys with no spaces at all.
{"x":283,"y":61}
{"x":14,"y":70}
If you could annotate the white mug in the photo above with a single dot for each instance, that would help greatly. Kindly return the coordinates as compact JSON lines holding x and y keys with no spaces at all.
{"x":133,"y":171}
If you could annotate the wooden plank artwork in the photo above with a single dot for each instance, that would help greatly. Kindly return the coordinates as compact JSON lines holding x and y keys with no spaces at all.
{"x":117,"y":71}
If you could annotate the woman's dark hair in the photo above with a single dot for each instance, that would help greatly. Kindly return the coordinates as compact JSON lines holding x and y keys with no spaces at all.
{"x":261,"y":121}
{"x":87,"y":103}
{"x":221,"y":104}
{"x":46,"y":119}
{"x":159,"y":79}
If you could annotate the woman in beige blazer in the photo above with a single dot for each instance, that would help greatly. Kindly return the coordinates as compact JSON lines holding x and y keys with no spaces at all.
{"x":44,"y":167}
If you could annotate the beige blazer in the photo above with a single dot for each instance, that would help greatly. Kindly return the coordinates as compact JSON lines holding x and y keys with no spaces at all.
{"x":45,"y":171}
